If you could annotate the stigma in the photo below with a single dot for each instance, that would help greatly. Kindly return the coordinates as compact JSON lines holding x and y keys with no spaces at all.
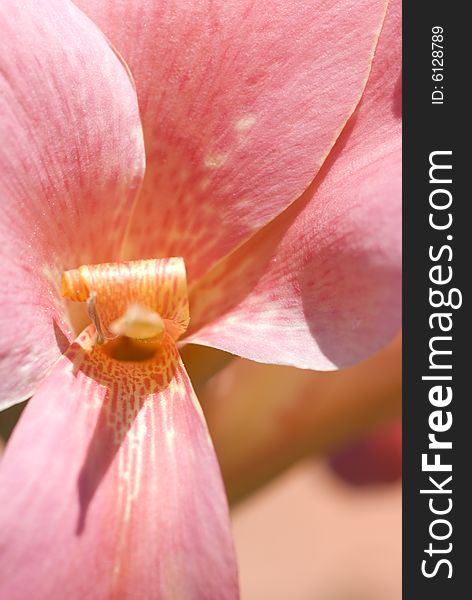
{"x":139,"y":323}
{"x":142,"y":300}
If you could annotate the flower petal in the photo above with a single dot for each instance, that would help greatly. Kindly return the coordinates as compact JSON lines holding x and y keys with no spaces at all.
{"x":320,"y":286}
{"x":71,"y":158}
{"x":241,"y":103}
{"x":120,"y":495}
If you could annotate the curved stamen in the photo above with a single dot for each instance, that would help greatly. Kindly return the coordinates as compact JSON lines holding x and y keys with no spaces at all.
{"x":92,"y":313}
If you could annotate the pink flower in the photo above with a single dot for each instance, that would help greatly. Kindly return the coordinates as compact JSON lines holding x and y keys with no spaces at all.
{"x":109,"y":487}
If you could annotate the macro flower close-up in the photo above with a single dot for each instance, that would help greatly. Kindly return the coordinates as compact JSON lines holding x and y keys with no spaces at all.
{"x":224,"y":174}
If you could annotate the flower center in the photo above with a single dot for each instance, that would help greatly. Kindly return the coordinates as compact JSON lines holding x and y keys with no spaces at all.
{"x":132,"y":303}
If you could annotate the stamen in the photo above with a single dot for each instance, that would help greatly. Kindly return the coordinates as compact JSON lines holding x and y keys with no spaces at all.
{"x":92,"y":313}
{"x":140,"y":300}
{"x":139,"y":323}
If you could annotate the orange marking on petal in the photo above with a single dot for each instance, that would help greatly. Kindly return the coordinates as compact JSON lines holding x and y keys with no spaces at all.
{"x":157,"y":286}
{"x":73,"y":286}
{"x":134,"y":498}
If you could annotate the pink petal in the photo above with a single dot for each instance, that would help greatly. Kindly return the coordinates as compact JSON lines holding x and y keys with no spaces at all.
{"x":320,"y":286}
{"x":241,"y":102}
{"x":71,"y":158}
{"x":110,"y":491}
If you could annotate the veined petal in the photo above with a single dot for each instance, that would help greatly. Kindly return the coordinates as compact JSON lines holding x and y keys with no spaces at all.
{"x":241,"y":103}
{"x":120,"y":495}
{"x":320,"y":286}
{"x":71,"y":161}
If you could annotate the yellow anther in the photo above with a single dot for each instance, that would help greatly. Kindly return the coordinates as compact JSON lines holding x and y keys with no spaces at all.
{"x":139,"y":323}
{"x":141,"y":299}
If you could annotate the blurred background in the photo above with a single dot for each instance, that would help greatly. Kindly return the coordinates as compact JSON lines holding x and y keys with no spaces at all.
{"x":312,"y":468}
{"x":309,"y":536}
